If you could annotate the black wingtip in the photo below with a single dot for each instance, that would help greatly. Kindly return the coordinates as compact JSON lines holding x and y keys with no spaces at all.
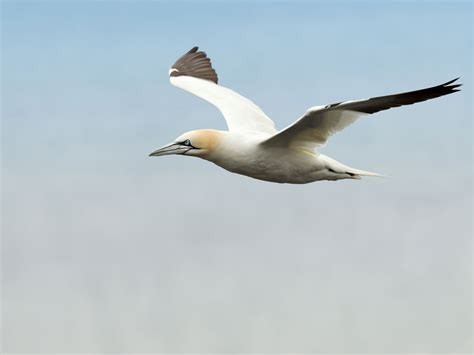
{"x":451,"y":81}
{"x":450,"y":89}
{"x":196,"y":64}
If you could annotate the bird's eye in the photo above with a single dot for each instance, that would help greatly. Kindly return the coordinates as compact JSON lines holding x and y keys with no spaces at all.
{"x":187,"y":142}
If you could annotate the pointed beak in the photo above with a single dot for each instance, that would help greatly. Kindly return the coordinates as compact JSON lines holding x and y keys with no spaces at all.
{"x":173,"y":148}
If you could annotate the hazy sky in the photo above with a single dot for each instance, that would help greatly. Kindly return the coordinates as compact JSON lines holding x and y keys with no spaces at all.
{"x":107,"y":250}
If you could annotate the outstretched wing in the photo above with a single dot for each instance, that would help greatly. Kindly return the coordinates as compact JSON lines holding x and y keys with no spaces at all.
{"x":193,"y":72}
{"x":319,"y":123}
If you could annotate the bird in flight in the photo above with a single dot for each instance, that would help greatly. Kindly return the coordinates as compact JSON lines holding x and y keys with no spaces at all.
{"x":252,"y":146}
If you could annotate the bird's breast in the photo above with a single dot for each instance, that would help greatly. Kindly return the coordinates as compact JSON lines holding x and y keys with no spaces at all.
{"x":277,"y":165}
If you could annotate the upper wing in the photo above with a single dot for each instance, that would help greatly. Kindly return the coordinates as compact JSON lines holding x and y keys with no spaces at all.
{"x":193,"y":72}
{"x":319,"y":123}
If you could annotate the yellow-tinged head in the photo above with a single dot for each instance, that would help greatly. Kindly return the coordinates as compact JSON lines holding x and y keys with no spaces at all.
{"x":201,"y":143}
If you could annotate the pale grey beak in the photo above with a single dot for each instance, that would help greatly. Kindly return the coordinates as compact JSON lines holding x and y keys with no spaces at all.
{"x":173,"y":148}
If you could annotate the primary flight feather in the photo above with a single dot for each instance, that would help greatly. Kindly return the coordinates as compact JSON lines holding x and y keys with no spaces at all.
{"x":252,"y":146}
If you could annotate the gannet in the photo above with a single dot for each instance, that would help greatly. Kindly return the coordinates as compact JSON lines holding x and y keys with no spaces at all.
{"x":252,"y":146}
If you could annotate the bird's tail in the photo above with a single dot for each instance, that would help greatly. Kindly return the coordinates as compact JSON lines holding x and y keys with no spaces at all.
{"x":358,"y":172}
{"x":339,"y":168}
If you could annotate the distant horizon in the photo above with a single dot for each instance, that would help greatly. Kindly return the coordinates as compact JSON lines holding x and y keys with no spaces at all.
{"x":105,"y":249}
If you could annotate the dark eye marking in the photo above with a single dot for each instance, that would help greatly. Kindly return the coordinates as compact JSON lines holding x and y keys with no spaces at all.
{"x":187,"y":143}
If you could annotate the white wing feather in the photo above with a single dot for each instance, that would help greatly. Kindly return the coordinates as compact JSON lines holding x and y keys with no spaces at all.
{"x":194,"y":73}
{"x":240,"y":113}
{"x":314,"y":128}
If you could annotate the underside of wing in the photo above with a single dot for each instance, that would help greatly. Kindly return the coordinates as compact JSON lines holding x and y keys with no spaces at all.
{"x":194,"y":73}
{"x":319,"y":123}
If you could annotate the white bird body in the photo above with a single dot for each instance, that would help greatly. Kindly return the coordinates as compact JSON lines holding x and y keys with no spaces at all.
{"x":242,"y":153}
{"x":253,"y":147}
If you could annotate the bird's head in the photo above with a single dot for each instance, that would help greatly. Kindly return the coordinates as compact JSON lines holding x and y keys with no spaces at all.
{"x":199,"y":143}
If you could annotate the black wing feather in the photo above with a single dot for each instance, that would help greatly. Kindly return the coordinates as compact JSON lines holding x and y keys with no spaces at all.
{"x":376,"y":104}
{"x":196,"y":64}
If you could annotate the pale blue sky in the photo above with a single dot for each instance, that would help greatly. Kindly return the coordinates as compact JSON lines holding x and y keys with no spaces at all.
{"x":106,"y":249}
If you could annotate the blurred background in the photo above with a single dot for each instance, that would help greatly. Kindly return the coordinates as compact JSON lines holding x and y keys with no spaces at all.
{"x":105,"y":249}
